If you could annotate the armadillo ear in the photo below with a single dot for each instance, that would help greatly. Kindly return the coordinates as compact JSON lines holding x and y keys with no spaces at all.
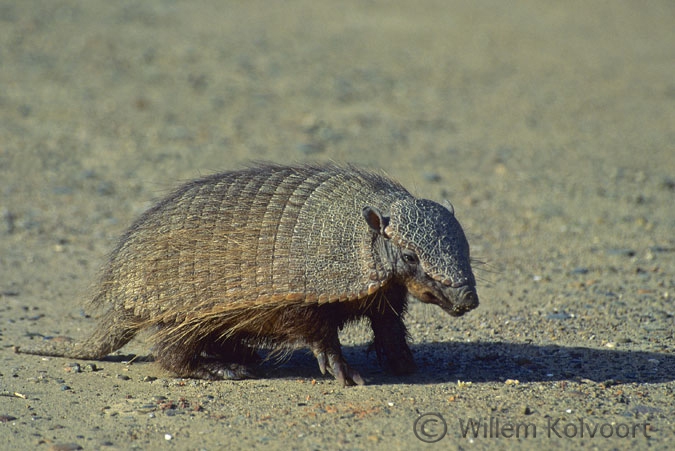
{"x":375,"y":220}
{"x":448,"y":205}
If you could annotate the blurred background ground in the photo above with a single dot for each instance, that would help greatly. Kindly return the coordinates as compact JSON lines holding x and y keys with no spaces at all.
{"x":549,"y":125}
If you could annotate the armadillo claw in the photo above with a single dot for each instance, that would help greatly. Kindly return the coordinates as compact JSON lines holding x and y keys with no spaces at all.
{"x":335,"y":364}
{"x":344,"y":373}
{"x":321,"y":359}
{"x":353,"y":377}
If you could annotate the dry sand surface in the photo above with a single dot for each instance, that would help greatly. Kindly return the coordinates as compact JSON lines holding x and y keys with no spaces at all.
{"x":549,"y":125}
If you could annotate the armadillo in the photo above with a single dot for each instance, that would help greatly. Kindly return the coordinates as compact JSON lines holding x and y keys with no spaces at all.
{"x":275,"y":258}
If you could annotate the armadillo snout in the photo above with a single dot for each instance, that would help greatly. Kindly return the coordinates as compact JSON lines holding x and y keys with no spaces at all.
{"x":467,"y":298}
{"x":464,"y":299}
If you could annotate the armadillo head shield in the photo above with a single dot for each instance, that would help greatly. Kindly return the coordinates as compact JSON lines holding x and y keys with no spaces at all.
{"x":431,"y":254}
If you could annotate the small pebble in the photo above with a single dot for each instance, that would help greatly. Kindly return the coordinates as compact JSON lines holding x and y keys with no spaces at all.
{"x":579,"y":270}
{"x":62,"y":190}
{"x":105,"y":188}
{"x":73,"y":368}
{"x":657,"y":249}
{"x":310,"y":148}
{"x":431,"y":177}
{"x":668,"y":183}
{"x":621,"y":252}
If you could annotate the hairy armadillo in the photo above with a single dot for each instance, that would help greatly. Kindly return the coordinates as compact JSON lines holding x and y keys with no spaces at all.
{"x":278,"y":257}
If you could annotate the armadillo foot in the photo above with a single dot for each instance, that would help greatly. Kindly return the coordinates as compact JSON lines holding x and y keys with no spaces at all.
{"x":336,"y":365}
{"x":397,"y":360}
{"x":215,"y":370}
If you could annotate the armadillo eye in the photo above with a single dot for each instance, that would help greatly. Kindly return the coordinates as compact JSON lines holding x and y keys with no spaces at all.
{"x":410,"y":258}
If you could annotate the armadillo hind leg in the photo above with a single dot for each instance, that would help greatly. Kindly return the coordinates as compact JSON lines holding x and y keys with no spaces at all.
{"x":214,"y":369}
{"x":226,"y":360}
{"x":389,"y":331}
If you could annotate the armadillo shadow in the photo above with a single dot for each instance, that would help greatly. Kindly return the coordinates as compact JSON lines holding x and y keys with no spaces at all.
{"x":448,"y":362}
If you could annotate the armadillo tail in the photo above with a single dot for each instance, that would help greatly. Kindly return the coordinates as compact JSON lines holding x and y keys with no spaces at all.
{"x":102,"y":342}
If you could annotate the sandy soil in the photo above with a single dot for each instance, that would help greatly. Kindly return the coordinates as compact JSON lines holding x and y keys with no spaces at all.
{"x":549,"y":125}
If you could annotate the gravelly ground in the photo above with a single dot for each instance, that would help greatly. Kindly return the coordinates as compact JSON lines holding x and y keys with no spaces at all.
{"x":550,"y":126}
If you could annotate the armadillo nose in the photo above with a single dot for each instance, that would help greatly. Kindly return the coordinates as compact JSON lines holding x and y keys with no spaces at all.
{"x":467,"y":298}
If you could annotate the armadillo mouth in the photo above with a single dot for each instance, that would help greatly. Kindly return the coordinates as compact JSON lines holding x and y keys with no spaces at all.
{"x":429,"y":298}
{"x":456,"y":310}
{"x":460,"y":301}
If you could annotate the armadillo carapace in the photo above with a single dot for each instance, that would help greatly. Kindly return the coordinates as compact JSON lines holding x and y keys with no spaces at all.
{"x":279,"y":257}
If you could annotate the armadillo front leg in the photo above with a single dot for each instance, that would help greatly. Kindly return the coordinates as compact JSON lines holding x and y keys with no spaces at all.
{"x":390,"y":343}
{"x":329,"y":355}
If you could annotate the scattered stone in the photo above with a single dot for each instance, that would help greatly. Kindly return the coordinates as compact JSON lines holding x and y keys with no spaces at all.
{"x":65,"y":447}
{"x":621,"y":252}
{"x":431,"y":177}
{"x":559,"y":316}
{"x":105,"y":188}
{"x":310,"y":148}
{"x":73,"y":368}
